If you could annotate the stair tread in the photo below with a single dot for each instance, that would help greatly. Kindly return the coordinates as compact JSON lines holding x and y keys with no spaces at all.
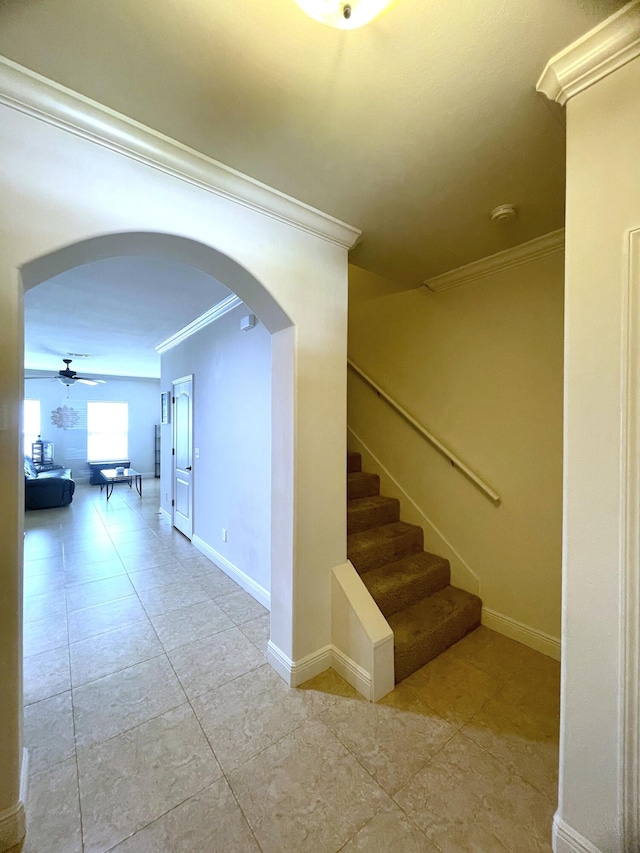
{"x":410,"y":586}
{"x":397,"y":585}
{"x":425,"y":629}
{"x":372,"y":548}
{"x":370,"y":512}
{"x":369,"y":502}
{"x":385,"y":533}
{"x":361,"y":484}
{"x":428,"y":613}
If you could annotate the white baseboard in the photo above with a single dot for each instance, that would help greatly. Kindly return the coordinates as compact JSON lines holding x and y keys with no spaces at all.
{"x":522,"y":633}
{"x":12,"y":827}
{"x":13,"y":820}
{"x":252,"y":587}
{"x":163,"y":512}
{"x":354,"y":674}
{"x":567,"y":840}
{"x":295,"y":673}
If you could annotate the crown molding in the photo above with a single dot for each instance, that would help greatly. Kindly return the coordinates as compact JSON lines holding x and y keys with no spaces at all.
{"x":218,"y":310}
{"x":596,"y":54}
{"x":548,"y":244}
{"x":23,"y":90}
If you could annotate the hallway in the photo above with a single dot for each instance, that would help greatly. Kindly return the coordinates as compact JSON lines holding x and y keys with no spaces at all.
{"x":154,"y":724}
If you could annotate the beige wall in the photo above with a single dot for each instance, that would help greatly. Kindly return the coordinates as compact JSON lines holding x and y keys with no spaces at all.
{"x":481,"y":367}
{"x":603,"y":204}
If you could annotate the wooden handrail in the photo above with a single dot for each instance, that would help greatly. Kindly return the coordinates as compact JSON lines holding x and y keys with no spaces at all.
{"x":458,"y":463}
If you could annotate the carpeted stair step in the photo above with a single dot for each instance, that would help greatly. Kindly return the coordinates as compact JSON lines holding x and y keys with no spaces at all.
{"x":400,"y":584}
{"x":425,"y":629}
{"x":362,"y":485}
{"x":371,"y":549}
{"x":354,"y":462}
{"x":365,"y":513}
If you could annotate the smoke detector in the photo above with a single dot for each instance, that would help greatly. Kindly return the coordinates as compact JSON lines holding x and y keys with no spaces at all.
{"x":503,"y":213}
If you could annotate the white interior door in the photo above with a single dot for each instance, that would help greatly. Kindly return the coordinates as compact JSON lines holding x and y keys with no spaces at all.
{"x":182,"y":455}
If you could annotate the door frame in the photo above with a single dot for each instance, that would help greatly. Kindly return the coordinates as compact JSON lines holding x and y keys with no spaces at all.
{"x":187,"y":378}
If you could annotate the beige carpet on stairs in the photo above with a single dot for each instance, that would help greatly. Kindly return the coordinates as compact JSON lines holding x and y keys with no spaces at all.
{"x":410,"y":586}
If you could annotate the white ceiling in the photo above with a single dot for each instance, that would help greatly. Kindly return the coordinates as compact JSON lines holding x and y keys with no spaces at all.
{"x":116,"y":311}
{"x":412,"y":128}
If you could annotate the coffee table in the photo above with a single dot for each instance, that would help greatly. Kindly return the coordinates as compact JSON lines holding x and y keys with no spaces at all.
{"x":111,"y":477}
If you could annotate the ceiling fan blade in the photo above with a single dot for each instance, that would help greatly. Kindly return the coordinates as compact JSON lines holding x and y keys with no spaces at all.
{"x":39,"y":377}
{"x":87,"y":381}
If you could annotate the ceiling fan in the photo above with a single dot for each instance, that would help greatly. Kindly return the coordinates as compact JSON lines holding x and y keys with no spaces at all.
{"x":70,"y":377}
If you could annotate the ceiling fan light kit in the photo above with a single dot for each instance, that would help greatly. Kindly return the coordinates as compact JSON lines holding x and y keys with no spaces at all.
{"x":69,"y":377}
{"x":343,"y":15}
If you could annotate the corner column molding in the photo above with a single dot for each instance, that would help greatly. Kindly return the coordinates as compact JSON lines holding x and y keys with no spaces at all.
{"x":630,"y":562}
{"x":23,"y":90}
{"x":598,"y":53}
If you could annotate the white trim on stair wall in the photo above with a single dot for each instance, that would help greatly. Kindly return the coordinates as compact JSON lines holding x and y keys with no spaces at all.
{"x":254,"y":589}
{"x":462,"y":575}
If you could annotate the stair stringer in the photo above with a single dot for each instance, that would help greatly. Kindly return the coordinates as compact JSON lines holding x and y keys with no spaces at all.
{"x":361,"y":637}
{"x":462,"y":575}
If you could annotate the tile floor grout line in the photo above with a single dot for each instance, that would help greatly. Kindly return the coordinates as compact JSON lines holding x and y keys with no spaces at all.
{"x":424,"y":767}
{"x":131,"y":728}
{"x":242,"y":812}
{"x":213,"y":752}
{"x":75,"y":741}
{"x":505,"y":765}
{"x":117,"y":671}
{"x":366,"y":769}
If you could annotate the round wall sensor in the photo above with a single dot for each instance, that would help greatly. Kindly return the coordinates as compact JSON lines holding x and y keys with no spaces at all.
{"x":503,"y":213}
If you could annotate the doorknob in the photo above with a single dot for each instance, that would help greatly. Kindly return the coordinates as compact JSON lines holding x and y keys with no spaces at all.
{"x":188,"y":468}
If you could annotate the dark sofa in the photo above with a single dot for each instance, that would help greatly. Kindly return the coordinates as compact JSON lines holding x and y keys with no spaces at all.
{"x":47,"y":489}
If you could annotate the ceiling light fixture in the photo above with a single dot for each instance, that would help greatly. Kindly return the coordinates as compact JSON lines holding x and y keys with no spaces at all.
{"x":343,"y":15}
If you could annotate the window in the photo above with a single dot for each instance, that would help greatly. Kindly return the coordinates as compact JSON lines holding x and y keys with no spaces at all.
{"x":107,"y":431}
{"x":30,"y":424}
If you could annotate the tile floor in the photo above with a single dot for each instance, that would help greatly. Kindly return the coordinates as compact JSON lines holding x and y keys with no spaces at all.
{"x":154,"y":724}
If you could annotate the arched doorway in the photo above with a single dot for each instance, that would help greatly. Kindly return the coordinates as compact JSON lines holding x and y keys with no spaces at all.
{"x":63,"y":189}
{"x":231,"y":275}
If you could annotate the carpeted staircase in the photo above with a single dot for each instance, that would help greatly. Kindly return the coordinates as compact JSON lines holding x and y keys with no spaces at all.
{"x":409,"y":585}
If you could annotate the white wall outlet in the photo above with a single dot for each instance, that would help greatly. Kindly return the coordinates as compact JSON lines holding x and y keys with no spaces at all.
{"x":224,"y":534}
{"x":166,"y":496}
{"x":197,"y":452}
